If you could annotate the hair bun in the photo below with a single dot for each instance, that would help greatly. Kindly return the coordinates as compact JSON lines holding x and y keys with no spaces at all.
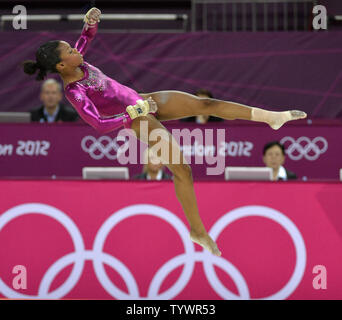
{"x":30,"y":66}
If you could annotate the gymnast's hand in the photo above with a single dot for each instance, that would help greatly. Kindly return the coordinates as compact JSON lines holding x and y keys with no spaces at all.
{"x":142,"y":108}
{"x":92,"y":16}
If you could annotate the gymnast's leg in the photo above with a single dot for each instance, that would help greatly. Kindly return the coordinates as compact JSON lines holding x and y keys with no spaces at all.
{"x":182,"y":175}
{"x":176,"y":105}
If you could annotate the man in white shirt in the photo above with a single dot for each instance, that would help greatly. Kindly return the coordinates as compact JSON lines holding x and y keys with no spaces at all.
{"x":274,"y":157}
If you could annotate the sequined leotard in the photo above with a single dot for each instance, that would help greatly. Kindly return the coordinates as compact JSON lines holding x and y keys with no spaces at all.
{"x":97,"y":98}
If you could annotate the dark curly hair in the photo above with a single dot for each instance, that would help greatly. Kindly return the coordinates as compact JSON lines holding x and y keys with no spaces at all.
{"x":47,"y":56}
{"x":271,"y":144}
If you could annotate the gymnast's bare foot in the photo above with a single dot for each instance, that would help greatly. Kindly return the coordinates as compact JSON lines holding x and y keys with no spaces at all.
{"x":204,"y":240}
{"x":279,"y":118}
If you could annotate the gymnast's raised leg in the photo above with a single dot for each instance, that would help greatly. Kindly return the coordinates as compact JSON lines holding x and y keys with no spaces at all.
{"x":176,"y":105}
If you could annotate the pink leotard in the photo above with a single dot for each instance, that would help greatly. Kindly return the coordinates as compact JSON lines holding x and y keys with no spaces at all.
{"x":98,"y":99}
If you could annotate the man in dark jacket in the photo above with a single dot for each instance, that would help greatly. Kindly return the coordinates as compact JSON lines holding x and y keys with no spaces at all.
{"x":274,"y":157}
{"x":52,"y":109}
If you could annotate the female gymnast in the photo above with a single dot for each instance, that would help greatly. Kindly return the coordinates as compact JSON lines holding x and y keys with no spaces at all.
{"x":107,"y":105}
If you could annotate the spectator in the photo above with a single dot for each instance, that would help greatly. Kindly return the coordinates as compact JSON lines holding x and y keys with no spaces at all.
{"x":202,"y":93}
{"x":153,"y":169}
{"x":274,"y":157}
{"x":52,"y":109}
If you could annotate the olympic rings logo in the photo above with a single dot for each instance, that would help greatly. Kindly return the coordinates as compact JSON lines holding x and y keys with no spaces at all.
{"x":304,"y":151}
{"x":104,"y":150}
{"x":188,"y":258}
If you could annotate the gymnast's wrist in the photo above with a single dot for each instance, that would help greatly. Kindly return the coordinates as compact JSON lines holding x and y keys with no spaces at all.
{"x":138,"y":110}
{"x":91,"y":25}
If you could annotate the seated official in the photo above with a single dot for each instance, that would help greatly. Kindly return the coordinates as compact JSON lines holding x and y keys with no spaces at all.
{"x":274,"y":157}
{"x":153,"y":169}
{"x":52,"y":109}
{"x":202,"y":93}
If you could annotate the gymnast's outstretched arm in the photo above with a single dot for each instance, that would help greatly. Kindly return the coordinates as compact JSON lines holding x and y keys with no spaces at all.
{"x":89,"y":30}
{"x":88,"y":112}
